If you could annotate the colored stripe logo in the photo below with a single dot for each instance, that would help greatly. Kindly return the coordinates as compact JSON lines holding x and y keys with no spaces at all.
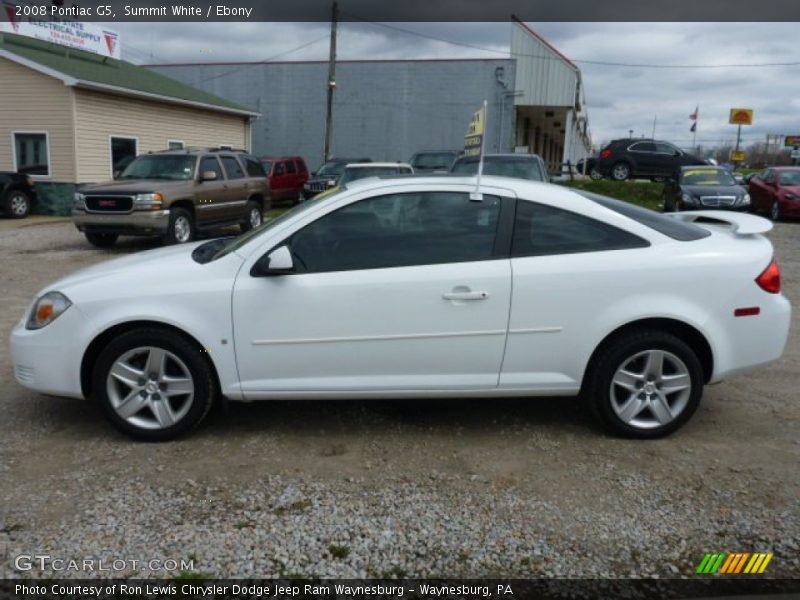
{"x":735,"y":563}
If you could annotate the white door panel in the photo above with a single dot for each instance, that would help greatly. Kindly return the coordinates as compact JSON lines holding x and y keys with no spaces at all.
{"x":419,"y":327}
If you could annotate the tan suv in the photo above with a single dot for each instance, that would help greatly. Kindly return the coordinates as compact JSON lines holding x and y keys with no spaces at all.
{"x":174,"y":194}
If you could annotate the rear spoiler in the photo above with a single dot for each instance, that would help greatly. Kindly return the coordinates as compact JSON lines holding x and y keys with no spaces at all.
{"x":738,"y":223}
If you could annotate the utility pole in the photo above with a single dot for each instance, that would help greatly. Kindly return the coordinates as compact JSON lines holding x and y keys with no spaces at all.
{"x":326,"y":152}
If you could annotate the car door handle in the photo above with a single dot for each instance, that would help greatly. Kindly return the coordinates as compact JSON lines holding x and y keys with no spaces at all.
{"x":465,"y":295}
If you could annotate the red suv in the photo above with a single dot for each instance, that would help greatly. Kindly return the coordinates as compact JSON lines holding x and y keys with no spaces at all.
{"x":286,"y":175}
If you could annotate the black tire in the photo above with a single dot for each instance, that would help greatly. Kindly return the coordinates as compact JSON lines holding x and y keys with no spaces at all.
{"x":251,"y":209}
{"x":101,"y":240}
{"x":621,"y":171}
{"x":193,"y":359}
{"x":775,"y":211}
{"x":17,"y":204}
{"x":617,"y":353}
{"x":181,"y":228}
{"x":595,"y":175}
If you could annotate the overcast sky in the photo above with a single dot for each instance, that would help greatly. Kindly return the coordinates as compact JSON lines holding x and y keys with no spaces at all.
{"x":619,"y":98}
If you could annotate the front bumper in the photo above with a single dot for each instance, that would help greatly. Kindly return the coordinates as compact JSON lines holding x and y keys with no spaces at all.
{"x":138,"y":222}
{"x":48,"y":360}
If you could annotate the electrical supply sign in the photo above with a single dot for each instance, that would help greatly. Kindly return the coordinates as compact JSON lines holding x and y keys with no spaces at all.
{"x":37,"y":22}
{"x":473,"y":141}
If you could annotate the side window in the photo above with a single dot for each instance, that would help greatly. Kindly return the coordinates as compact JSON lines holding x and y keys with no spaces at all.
{"x":770,"y":176}
{"x":643,"y":147}
{"x":541,"y":230}
{"x":665,"y":148}
{"x":290,"y":168}
{"x":232,"y":167}
{"x":280,"y":168}
{"x":254,"y":168}
{"x":210,"y":163}
{"x":399,"y":230}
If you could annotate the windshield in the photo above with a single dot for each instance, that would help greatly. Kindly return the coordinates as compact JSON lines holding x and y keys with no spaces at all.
{"x":331,"y":169}
{"x":433,"y":160}
{"x":707,"y":177}
{"x":504,"y":167}
{"x":232,"y":244}
{"x":790,"y":178}
{"x":164,"y":166}
{"x":361,"y":172}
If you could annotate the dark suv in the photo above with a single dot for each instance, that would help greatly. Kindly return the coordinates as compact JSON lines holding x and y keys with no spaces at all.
{"x":17,"y":194}
{"x":643,"y":158}
{"x":173,"y":194}
{"x":327,"y":175}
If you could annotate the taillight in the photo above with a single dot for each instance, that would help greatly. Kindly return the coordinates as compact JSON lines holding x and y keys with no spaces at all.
{"x":606,"y":153}
{"x":770,"y":279}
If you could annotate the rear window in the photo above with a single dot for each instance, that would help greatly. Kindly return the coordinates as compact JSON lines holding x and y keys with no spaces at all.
{"x":677,"y":230}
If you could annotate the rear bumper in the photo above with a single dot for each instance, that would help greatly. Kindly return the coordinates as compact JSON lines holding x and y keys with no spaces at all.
{"x":144,"y":222}
{"x":753,"y":341}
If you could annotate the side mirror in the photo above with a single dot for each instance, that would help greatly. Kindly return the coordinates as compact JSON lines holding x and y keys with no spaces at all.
{"x":208,"y":176}
{"x":277,"y":262}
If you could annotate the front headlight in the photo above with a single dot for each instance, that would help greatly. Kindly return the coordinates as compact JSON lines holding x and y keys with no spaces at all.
{"x":47,"y":309}
{"x":147,"y":201}
{"x":745,"y":200}
{"x":80,"y":201}
{"x":791,"y":196}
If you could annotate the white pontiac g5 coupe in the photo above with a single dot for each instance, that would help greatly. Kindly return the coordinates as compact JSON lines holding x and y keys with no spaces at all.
{"x":414,"y":288}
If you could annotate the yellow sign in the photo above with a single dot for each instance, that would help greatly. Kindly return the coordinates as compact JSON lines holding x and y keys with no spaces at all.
{"x":738,"y":155}
{"x":741,"y":116}
{"x":473,"y":140}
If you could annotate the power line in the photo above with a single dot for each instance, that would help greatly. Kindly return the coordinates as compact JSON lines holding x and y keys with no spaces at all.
{"x":575,"y":60}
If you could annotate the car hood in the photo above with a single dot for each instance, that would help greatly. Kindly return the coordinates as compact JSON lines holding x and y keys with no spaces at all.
{"x":133,"y":186}
{"x":713,"y":190}
{"x":138,"y":274}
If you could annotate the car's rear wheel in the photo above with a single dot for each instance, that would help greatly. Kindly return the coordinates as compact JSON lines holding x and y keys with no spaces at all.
{"x":621,"y":171}
{"x":17,"y":204}
{"x":645,"y":384}
{"x":180,"y":229}
{"x":101,"y":240}
{"x":254,"y":216}
{"x":775,"y":211}
{"x":153,"y":384}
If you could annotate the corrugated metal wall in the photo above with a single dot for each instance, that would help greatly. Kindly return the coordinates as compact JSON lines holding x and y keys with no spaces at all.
{"x":386,"y":110}
{"x":544,"y":77}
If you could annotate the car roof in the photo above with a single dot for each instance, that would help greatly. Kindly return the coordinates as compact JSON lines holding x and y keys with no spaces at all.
{"x":785,"y":168}
{"x":262,"y":158}
{"x":506,"y":155}
{"x":703,"y":167}
{"x":363,"y":165}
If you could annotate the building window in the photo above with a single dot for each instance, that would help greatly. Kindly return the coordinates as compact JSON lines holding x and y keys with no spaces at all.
{"x":32,"y":153}
{"x":175,"y":145}
{"x":123,"y":151}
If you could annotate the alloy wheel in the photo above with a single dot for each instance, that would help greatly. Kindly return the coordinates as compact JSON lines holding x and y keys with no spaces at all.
{"x":255,"y":217}
{"x":621,"y":172}
{"x":18,"y":205}
{"x":150,"y":388}
{"x":183,"y":229}
{"x":650,"y":389}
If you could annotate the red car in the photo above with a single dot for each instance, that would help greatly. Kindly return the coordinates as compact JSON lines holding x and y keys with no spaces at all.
{"x":287,"y":175}
{"x":776,"y":191}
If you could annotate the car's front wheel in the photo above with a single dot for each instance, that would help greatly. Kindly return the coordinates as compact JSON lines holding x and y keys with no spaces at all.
{"x":645,"y":384}
{"x":775,"y":211}
{"x":180,"y":228}
{"x":595,"y":175}
{"x":621,"y":171}
{"x":17,"y":204}
{"x":153,"y":384}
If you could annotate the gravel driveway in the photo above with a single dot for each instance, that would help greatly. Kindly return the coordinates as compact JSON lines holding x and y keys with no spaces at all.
{"x":504,"y":487}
